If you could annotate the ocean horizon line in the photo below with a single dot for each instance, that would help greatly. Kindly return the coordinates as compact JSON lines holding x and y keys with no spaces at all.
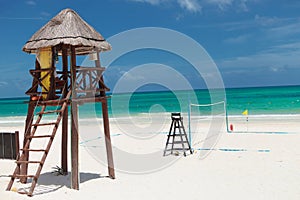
{"x":258,"y":101}
{"x":21,"y":118}
{"x":179,"y":90}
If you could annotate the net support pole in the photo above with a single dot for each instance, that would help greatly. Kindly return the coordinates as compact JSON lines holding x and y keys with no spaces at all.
{"x":226,"y":115}
{"x":189,"y":118}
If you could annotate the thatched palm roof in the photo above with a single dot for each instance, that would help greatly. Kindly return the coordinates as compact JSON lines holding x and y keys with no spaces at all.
{"x":67,"y":28}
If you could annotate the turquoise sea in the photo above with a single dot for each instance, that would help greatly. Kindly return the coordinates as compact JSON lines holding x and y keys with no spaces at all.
{"x":283,"y":100}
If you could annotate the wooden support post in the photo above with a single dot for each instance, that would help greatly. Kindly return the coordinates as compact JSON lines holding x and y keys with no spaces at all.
{"x":110,"y":162}
{"x":74,"y":124}
{"x":64,"y":139}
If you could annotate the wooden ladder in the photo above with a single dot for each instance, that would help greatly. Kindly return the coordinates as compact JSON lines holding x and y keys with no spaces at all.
{"x":22,"y":159}
{"x":177,"y":138}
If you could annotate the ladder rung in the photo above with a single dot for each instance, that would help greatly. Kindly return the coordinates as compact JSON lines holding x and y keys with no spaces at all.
{"x":45,"y":124}
{"x":36,"y":150}
{"x":178,"y":142}
{"x":88,"y":90}
{"x":27,"y":162}
{"x":24,"y":192}
{"x":21,"y":160}
{"x":57,"y":101}
{"x":177,"y":135}
{"x":179,"y":149}
{"x":23,"y":176}
{"x":39,"y":136}
{"x":49,"y":112}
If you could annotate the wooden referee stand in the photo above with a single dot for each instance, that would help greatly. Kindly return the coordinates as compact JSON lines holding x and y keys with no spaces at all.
{"x":179,"y":141}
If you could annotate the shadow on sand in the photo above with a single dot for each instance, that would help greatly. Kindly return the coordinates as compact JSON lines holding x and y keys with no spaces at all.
{"x":50,"y":182}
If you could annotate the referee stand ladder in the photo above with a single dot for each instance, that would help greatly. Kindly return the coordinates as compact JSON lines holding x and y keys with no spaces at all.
{"x":179,"y":141}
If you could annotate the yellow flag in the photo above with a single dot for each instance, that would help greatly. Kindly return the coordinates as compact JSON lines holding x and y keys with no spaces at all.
{"x":245,"y":112}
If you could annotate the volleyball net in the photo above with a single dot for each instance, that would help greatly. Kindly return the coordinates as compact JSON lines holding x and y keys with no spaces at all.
{"x":206,"y":121}
{"x":205,"y":118}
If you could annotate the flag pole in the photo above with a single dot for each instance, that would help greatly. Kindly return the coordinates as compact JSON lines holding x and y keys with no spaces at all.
{"x":247,"y":119}
{"x":247,"y":122}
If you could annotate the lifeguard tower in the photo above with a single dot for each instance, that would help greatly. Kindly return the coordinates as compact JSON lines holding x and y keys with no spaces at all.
{"x":65,"y":36}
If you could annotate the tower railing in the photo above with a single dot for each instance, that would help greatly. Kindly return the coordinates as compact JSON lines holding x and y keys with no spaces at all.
{"x":89,"y":82}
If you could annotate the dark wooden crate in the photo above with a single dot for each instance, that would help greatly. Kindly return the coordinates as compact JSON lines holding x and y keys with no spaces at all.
{"x":9,"y":145}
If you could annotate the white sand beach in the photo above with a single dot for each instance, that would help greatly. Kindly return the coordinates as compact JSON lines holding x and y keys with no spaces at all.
{"x":262,"y":164}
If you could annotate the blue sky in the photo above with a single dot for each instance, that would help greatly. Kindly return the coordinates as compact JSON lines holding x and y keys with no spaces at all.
{"x":253,"y":42}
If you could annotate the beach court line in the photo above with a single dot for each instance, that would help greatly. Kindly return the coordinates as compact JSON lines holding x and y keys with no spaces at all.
{"x":263,"y":132}
{"x":97,"y":138}
{"x":234,"y":150}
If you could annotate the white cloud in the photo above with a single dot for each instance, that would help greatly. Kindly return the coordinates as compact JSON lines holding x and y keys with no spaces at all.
{"x":190,"y":5}
{"x":289,"y":46}
{"x":266,"y":21}
{"x":45,"y":14}
{"x":286,"y":30}
{"x":152,"y":2}
{"x":238,"y":39}
{"x":268,"y":28}
{"x":237,"y":5}
{"x":3,"y":83}
{"x":222,"y":4}
{"x":275,"y":58}
{"x":179,"y":17}
{"x":196,"y":6}
{"x":128,"y":76}
{"x":243,"y":6}
{"x":31,"y":3}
